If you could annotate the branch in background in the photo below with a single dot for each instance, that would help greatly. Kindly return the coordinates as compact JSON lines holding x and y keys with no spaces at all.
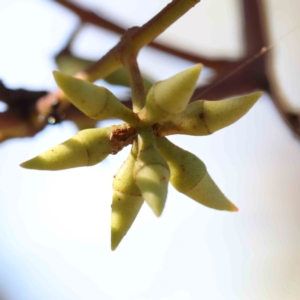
{"x":14,"y":122}
{"x":28,"y":113}
{"x":98,"y":20}
{"x":254,"y":71}
{"x":255,"y":26}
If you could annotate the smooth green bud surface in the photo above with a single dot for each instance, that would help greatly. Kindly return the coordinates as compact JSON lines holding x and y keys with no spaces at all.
{"x":204,"y":117}
{"x":86,"y":148}
{"x":207,"y":193}
{"x":153,"y":180}
{"x":151,"y":172}
{"x":94,"y":101}
{"x":120,"y":77}
{"x":127,"y":201}
{"x":70,"y":64}
{"x":189,"y":176}
{"x":169,"y":97}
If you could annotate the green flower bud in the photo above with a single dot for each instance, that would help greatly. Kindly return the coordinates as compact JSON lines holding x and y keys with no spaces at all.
{"x":70,"y":64}
{"x":94,"y":101}
{"x":127,"y":201}
{"x":151,"y":172}
{"x":86,"y":148}
{"x":120,"y":77}
{"x":204,"y":117}
{"x":189,"y":176}
{"x":169,"y":97}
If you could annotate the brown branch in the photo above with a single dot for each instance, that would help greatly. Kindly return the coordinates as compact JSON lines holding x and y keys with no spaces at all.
{"x":244,"y":77}
{"x":291,"y":118}
{"x":87,"y":16}
{"x":255,"y":26}
{"x":28,"y":111}
{"x":12,"y":125}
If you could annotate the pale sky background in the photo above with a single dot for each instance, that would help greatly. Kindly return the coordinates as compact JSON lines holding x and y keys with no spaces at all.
{"x":55,"y":226}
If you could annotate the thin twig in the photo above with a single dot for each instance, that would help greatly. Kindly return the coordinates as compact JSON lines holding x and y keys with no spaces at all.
{"x":245,"y":78}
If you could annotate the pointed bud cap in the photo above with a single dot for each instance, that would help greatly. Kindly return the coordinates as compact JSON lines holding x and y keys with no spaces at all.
{"x":189,"y":176}
{"x":127,"y":201}
{"x":94,"y":101}
{"x":220,"y":114}
{"x":125,"y":208}
{"x":153,"y":181}
{"x":86,"y":148}
{"x":169,"y":97}
{"x":151,"y":173}
{"x":207,"y":193}
{"x":204,"y":117}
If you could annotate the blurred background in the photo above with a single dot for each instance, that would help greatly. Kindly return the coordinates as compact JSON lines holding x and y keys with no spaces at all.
{"x":55,"y":226}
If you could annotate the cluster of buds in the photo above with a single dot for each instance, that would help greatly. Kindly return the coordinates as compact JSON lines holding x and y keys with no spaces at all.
{"x":153,"y":161}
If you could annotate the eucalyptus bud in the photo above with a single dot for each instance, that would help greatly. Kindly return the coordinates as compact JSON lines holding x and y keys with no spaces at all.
{"x":94,"y":101}
{"x":190,"y":177}
{"x":70,"y":64}
{"x":151,"y":172}
{"x":120,"y":77}
{"x":204,"y":117}
{"x":169,"y":97}
{"x":86,"y":148}
{"x":127,"y":201}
